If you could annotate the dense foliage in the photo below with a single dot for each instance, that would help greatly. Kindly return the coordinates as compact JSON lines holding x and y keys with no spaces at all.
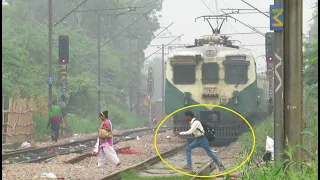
{"x":25,"y":50}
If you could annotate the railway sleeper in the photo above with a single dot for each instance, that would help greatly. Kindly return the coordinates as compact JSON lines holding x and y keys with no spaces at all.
{"x":89,"y":154}
{"x":142,"y":165}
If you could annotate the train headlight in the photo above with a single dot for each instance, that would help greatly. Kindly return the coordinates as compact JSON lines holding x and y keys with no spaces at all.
{"x":224,"y":100}
{"x":236,"y":96}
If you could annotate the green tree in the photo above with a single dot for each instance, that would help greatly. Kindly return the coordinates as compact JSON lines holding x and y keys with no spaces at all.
{"x":25,"y":42}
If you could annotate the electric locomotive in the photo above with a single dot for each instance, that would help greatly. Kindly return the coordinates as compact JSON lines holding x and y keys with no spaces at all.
{"x":214,"y":71}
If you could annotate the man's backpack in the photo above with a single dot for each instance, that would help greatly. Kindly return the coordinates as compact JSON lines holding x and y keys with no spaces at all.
{"x":208,"y":131}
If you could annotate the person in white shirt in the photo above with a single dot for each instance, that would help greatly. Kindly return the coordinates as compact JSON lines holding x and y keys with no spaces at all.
{"x":200,"y":141}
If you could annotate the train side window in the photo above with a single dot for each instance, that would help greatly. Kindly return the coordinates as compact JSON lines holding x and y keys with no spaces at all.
{"x":210,"y":73}
{"x":236,"y":73}
{"x":184,"y":74}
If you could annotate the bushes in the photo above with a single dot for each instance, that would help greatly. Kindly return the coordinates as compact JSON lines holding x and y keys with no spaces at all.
{"x":262,"y":130}
{"x":40,"y":127}
{"x":280,"y":171}
{"x":123,"y":119}
{"x":87,"y":124}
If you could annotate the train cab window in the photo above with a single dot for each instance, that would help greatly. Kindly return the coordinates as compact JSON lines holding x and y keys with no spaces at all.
{"x":236,"y":73}
{"x":184,"y":74}
{"x":236,"y":69}
{"x":210,"y":73}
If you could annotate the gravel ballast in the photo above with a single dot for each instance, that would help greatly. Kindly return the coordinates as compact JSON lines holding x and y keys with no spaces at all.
{"x":87,"y":169}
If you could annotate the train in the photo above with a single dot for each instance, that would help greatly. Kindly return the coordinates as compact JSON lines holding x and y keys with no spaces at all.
{"x":214,"y":71}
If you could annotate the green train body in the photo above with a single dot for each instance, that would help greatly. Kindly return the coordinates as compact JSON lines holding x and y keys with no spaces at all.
{"x":220,"y":75}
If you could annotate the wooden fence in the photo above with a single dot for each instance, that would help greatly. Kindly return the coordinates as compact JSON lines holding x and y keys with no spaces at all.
{"x":17,"y":121}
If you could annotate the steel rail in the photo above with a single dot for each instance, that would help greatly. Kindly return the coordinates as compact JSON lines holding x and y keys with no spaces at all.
{"x":88,"y":154}
{"x":153,"y":160}
{"x":41,"y":149}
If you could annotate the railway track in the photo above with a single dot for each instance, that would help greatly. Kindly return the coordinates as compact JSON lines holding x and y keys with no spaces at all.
{"x":207,"y":170}
{"x":153,"y":160}
{"x":33,"y":155}
{"x":84,"y":166}
{"x":9,"y":152}
{"x":202,"y":165}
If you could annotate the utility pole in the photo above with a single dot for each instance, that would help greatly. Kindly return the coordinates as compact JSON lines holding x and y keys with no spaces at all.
{"x":150,"y":111}
{"x":130,"y":78}
{"x":150,"y":90}
{"x":50,"y":79}
{"x":293,"y":74}
{"x":99,"y":61}
{"x":278,"y":95}
{"x":162,"y":89}
{"x":130,"y":95}
{"x":138,"y":79}
{"x":50,"y":53}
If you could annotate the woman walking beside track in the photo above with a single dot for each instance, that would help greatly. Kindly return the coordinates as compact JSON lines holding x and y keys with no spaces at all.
{"x":104,"y":145}
{"x":55,"y":117}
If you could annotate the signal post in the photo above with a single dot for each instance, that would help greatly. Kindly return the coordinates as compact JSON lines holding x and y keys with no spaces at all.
{"x":277,"y":11}
{"x":276,"y":25}
{"x":64,"y":61}
{"x":150,"y":89}
{"x":270,"y":52}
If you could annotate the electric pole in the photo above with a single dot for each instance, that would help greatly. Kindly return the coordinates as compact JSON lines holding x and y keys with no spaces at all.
{"x":163,"y":81}
{"x":293,"y":74}
{"x":130,"y":78}
{"x":138,"y":79}
{"x":99,"y":61}
{"x":279,"y":140}
{"x":50,"y":53}
{"x":150,"y":90}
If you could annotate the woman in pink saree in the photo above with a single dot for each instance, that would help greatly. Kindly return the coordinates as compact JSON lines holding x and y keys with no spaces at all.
{"x":104,"y":147}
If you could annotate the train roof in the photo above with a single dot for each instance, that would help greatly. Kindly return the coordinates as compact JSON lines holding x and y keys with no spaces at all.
{"x":220,"y":51}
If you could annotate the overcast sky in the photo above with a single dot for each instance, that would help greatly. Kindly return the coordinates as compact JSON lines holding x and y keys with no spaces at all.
{"x":184,"y":12}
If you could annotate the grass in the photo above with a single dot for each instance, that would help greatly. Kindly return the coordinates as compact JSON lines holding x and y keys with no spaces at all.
{"x":77,"y":124}
{"x":286,"y":170}
{"x":88,"y":124}
{"x":130,"y":175}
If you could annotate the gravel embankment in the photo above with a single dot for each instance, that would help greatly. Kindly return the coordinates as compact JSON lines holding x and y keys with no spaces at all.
{"x":87,"y":169}
{"x":75,"y":137}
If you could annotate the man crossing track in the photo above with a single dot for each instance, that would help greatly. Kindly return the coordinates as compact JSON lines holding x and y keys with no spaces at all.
{"x":200,"y":141}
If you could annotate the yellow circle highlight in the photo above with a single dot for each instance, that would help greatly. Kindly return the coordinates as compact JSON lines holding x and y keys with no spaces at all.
{"x":211,"y":105}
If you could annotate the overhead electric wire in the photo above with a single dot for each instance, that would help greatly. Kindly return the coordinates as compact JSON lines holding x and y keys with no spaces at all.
{"x":158,"y":45}
{"x":70,"y":13}
{"x":244,"y":33}
{"x":249,"y":26}
{"x":157,"y":36}
{"x":113,"y":14}
{"x":131,"y":9}
{"x":127,"y":27}
{"x":256,"y":9}
{"x":207,"y":7}
{"x":111,"y":9}
{"x":162,"y":31}
{"x":234,"y":29}
{"x":164,"y":46}
{"x":249,"y":12}
{"x":164,"y":37}
{"x":254,"y":45}
{"x":117,"y":20}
